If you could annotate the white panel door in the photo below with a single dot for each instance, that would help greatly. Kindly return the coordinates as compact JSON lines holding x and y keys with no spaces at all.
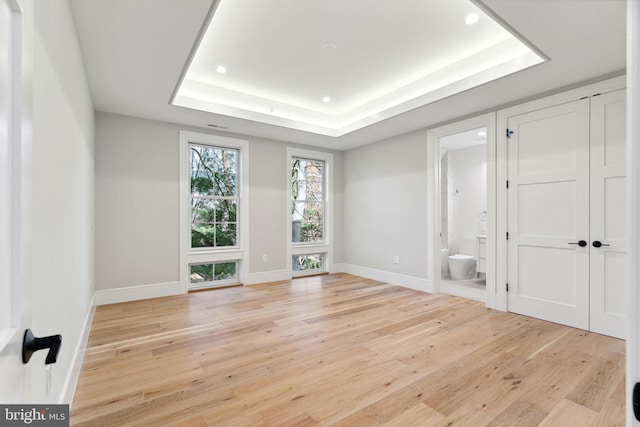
{"x":608,"y":298}
{"x":14,"y":197}
{"x":548,"y":203}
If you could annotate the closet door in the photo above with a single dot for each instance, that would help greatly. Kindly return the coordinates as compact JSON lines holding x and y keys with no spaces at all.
{"x":608,"y":215}
{"x":548,"y":214}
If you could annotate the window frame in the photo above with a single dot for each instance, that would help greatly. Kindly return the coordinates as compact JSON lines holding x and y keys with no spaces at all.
{"x":302,"y":248}
{"x":319,"y":202}
{"x":238,"y":253}
{"x":236,"y":198}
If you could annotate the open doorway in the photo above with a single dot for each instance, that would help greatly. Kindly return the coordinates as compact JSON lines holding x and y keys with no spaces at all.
{"x":463,"y":213}
{"x":462,"y":209}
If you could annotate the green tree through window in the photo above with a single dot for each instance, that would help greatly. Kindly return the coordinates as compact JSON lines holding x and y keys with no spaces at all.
{"x":214,"y":196}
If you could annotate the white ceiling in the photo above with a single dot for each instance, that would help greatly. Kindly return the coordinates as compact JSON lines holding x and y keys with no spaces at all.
{"x":135,"y":52}
{"x":332,"y":67}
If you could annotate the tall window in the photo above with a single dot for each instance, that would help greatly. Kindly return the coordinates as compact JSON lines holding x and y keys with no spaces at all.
{"x":309,"y":211}
{"x":214,"y":197}
{"x":308,"y":207}
{"x":214,"y":213}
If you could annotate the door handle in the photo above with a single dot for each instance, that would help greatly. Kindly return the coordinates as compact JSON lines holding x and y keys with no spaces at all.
{"x":580,"y":243}
{"x":31,"y":344}
{"x":597,"y":244}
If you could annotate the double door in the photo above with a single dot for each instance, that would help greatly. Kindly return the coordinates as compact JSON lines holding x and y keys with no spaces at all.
{"x":567,"y":214}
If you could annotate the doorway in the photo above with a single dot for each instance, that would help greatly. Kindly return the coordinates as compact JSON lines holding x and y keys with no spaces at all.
{"x":463,"y":213}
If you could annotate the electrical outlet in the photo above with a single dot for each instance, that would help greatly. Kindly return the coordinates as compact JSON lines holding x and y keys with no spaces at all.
{"x":396,"y":259}
{"x":265,"y":258}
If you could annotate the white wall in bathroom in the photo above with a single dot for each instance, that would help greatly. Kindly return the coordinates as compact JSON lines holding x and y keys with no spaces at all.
{"x":467,"y":170}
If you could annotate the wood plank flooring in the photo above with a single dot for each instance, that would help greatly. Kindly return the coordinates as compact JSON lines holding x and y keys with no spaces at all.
{"x":341,"y":350}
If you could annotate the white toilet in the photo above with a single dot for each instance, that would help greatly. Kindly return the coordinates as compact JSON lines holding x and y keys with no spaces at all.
{"x":463,"y":265}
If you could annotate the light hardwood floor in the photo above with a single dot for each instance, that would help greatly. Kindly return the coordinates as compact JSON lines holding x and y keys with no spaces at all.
{"x":345,"y":351}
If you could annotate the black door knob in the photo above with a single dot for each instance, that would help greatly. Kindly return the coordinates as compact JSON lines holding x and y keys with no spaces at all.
{"x":580,"y":243}
{"x":31,"y":344}
{"x":597,"y":244}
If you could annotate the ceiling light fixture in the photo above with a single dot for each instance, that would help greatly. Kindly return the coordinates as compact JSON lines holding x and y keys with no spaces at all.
{"x":326,"y":99}
{"x":482,"y":133}
{"x":221,"y":69}
{"x":471,"y":19}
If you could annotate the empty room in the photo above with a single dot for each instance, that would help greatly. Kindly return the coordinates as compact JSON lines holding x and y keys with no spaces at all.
{"x":337,"y":213}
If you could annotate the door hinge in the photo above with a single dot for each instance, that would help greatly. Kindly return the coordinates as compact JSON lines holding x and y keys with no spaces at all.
{"x":509,"y":133}
{"x":507,"y":287}
{"x":507,"y":183}
{"x":507,"y":235}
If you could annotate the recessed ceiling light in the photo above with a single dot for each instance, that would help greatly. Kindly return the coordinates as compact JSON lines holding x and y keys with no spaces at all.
{"x":326,"y":99}
{"x":471,"y":19}
{"x":221,"y":69}
{"x":482,"y":133}
{"x":329,"y":46}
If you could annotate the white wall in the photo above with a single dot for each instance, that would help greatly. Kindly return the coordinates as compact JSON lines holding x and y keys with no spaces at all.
{"x":137,"y":204}
{"x":385,"y":210}
{"x":63,"y":196}
{"x":467,"y":170}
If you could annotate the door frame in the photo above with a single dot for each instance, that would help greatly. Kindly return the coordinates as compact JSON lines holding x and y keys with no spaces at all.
{"x":16,"y":375}
{"x":502,"y":117}
{"x":433,"y":205}
{"x":633,"y":203}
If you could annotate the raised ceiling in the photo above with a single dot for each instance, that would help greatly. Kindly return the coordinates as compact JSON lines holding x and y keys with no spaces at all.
{"x":136,"y":51}
{"x":333,"y":67}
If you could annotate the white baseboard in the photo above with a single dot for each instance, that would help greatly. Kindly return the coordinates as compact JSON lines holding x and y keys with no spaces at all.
{"x":133,"y":293}
{"x":267,"y":277}
{"x":71,"y":381}
{"x":410,"y":282}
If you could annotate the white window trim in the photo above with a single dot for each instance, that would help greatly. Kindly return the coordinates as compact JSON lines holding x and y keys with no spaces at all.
{"x":311,"y":248}
{"x":202,"y":255}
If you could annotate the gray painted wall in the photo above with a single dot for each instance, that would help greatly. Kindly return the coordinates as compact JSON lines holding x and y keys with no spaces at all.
{"x":385,"y":205}
{"x":137,"y":202}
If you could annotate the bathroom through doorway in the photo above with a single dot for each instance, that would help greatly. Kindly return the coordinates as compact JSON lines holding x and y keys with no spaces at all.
{"x":463,"y":219}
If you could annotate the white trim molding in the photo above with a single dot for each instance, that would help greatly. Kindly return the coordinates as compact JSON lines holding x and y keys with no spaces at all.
{"x":411,"y":282}
{"x":240,"y":254}
{"x":267,"y":277}
{"x":134,"y":293}
{"x":71,"y":380}
{"x":633,"y":204}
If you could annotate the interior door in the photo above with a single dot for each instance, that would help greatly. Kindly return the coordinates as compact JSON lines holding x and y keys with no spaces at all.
{"x":548,"y":218}
{"x":608,"y":215}
{"x":14,"y":197}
